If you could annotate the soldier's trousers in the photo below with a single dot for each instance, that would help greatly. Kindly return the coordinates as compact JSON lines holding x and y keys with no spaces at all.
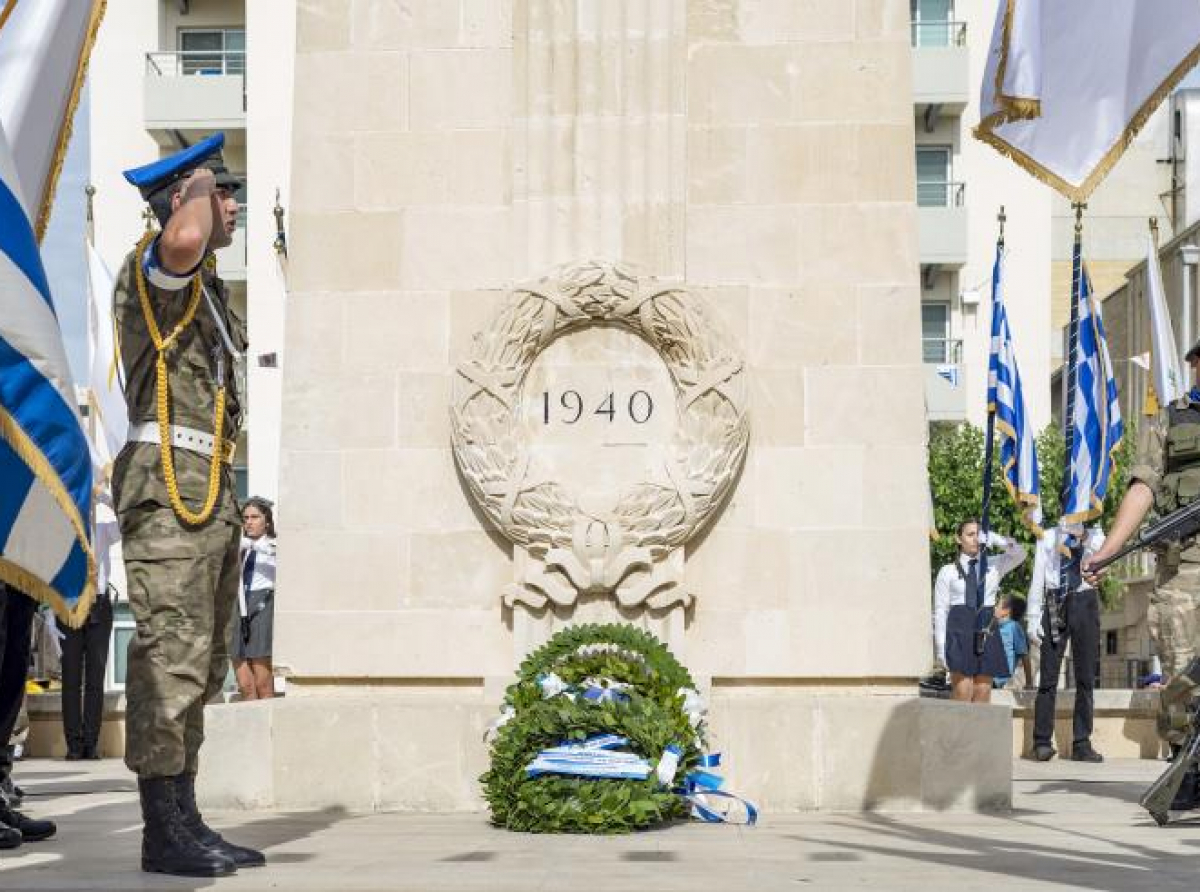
{"x":182,"y":586}
{"x":1174,"y":614}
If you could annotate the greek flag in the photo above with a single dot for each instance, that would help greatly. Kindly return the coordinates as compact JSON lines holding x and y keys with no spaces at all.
{"x":1096,"y":428}
{"x":1006,"y":402}
{"x":45,"y":464}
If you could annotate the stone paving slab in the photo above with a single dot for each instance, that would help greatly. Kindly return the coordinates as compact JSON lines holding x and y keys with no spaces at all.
{"x":1072,"y":827}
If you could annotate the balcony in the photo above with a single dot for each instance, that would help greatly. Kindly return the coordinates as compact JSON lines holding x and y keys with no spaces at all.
{"x":193,"y":94}
{"x":941,"y":73}
{"x":942,"y":224}
{"x":945,"y":387}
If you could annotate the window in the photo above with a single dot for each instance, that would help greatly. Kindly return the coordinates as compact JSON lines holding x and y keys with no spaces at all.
{"x":212,"y":51}
{"x":931,"y":22}
{"x":935,"y":332}
{"x":1111,"y":643}
{"x":933,"y":176}
{"x":122,"y":634}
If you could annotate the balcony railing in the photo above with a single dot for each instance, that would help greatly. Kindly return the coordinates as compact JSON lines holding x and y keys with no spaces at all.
{"x":940,"y":195}
{"x":188,"y":63}
{"x":940,"y":351}
{"x":935,"y":34}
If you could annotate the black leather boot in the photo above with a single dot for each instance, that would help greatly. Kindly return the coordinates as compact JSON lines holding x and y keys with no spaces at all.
{"x":167,"y":845}
{"x":10,"y":837}
{"x":31,"y":830}
{"x":185,"y":796}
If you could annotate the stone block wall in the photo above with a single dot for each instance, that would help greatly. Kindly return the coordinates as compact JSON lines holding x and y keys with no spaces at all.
{"x":755,"y":152}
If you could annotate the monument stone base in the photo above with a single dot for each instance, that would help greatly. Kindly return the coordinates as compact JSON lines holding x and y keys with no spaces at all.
{"x":786,"y":748}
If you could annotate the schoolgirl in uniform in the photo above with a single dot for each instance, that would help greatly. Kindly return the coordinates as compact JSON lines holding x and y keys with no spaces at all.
{"x":964,"y":632}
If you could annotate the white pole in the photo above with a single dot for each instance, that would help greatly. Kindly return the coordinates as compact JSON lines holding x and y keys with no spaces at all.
{"x":1189,"y":255}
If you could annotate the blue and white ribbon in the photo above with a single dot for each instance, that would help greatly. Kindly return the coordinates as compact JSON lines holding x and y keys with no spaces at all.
{"x":702,"y":789}
{"x":595,"y":757}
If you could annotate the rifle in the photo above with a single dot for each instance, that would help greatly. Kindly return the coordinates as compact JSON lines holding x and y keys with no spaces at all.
{"x":1179,"y":524}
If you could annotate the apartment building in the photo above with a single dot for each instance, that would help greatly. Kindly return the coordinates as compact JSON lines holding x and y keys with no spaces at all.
{"x":961,"y":186}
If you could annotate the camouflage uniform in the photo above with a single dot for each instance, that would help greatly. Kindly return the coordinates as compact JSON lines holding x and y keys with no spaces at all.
{"x":1168,"y":461}
{"x":182,"y":580}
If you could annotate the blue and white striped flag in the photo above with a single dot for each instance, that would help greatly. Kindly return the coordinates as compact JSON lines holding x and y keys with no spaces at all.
{"x":45,"y":463}
{"x":1096,"y":427}
{"x":1018,"y":455}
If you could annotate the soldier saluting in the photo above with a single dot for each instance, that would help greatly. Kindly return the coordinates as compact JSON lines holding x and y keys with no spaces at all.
{"x":172,"y":484}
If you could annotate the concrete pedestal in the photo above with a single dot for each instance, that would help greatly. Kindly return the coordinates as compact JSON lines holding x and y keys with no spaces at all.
{"x":786,"y":749}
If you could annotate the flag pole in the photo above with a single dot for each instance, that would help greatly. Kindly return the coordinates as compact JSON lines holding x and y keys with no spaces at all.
{"x":989,"y":435}
{"x":1072,"y":344}
{"x":1071,"y":571}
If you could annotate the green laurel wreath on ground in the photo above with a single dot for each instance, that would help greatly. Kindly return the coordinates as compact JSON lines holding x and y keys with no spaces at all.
{"x":652,"y":718}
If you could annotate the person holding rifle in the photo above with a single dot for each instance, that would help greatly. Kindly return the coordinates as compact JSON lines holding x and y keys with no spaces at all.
{"x":1166,"y":477}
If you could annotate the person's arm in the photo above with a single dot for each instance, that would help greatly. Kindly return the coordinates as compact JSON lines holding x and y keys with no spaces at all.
{"x":185,"y":238}
{"x":941,"y":609}
{"x":1010,"y":558}
{"x":1037,"y":588}
{"x":1139,"y":498}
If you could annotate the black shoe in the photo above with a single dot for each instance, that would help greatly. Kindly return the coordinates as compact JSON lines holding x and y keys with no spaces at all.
{"x":89,"y":752}
{"x":1083,"y":752}
{"x":1186,"y":797}
{"x":167,"y":845}
{"x":185,"y":796}
{"x":73,"y":755}
{"x":1043,"y":752}
{"x":10,"y":837}
{"x":31,"y":830}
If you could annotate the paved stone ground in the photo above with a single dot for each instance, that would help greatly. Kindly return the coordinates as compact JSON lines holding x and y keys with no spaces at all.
{"x":1072,"y":827}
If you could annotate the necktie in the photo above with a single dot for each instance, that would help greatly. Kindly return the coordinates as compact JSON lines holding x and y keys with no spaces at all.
{"x":248,"y":570}
{"x":973,"y":600}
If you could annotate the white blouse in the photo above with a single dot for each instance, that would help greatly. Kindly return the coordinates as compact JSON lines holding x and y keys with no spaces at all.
{"x":950,"y":589}
{"x":264,"y":562}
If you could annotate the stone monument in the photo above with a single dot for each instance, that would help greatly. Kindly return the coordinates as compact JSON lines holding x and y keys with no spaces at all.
{"x":604,"y":310}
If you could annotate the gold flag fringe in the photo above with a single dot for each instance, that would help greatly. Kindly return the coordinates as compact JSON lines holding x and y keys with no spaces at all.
{"x":68,"y":121}
{"x":1017,"y":108}
{"x":12,"y":433}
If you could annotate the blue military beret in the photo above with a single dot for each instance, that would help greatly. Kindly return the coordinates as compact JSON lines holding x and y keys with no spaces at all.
{"x":150,"y":178}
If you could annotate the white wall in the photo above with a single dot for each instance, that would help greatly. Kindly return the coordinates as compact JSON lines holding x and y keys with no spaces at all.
{"x":118,"y":132}
{"x":270,"y":55}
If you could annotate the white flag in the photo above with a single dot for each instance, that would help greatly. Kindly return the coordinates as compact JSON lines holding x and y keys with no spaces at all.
{"x":1166,"y":372}
{"x":1069,"y":83}
{"x":104,"y":368}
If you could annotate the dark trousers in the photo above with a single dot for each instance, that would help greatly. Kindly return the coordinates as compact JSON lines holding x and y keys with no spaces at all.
{"x":1083,"y":633}
{"x":16,"y":632}
{"x":84,"y":655}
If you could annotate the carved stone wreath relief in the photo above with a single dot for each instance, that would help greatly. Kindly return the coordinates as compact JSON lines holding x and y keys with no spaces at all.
{"x":632,"y":551}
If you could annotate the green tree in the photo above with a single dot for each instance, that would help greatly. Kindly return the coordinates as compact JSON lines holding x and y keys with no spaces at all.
{"x":956,"y":483}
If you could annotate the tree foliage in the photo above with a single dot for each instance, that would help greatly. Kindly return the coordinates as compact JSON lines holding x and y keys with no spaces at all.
{"x":956,"y":481}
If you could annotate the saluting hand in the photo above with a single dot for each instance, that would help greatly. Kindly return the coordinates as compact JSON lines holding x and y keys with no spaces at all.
{"x":201,"y":182}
